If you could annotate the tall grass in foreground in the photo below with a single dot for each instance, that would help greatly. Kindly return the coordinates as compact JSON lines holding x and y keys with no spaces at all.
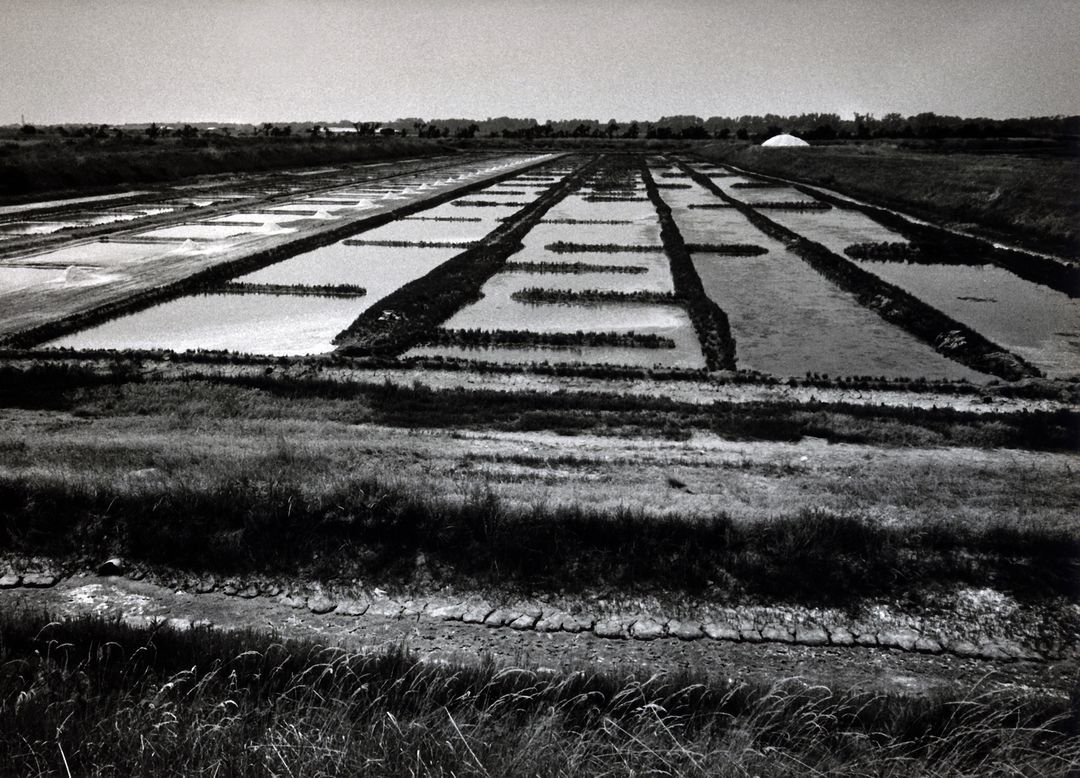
{"x":90,"y":697}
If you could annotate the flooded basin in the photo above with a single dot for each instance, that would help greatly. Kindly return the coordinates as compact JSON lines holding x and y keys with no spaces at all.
{"x":379,"y":269}
{"x":836,"y":229}
{"x":1040,"y":324}
{"x":279,"y":325}
{"x":788,"y":320}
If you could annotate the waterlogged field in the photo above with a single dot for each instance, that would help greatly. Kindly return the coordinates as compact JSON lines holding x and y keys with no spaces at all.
{"x":1039,"y":323}
{"x":787,"y":321}
{"x":378,"y":269}
{"x":280,"y":325}
{"x":836,"y":228}
{"x":577,"y":272}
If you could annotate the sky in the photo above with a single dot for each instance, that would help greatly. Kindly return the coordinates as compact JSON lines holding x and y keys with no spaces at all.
{"x":127,"y":61}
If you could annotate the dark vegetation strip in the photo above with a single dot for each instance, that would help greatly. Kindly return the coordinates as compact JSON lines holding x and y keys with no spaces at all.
{"x":674,"y":186}
{"x":896,"y":306}
{"x":710,"y":321}
{"x":443,"y":218}
{"x":613,"y":199}
{"x":730,"y":249}
{"x":571,"y":267}
{"x":214,"y":276}
{"x":487,"y":204}
{"x":568,"y":247}
{"x":213,"y":223}
{"x":92,"y":165}
{"x":709,"y":206}
{"x":784,"y":205}
{"x":758,"y":185}
{"x":154,"y":700}
{"x":477,"y":338}
{"x":286,"y":513}
{"x":588,"y":221}
{"x":422,"y":244}
{"x":410,"y":314}
{"x":537,"y":294}
{"x":672,"y":174}
{"x":315,"y":290}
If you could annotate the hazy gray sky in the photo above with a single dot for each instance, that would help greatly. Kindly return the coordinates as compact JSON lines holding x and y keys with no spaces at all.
{"x":119,"y":61}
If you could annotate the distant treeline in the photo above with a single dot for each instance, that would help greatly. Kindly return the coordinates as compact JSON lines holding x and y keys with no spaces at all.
{"x":812,"y":126}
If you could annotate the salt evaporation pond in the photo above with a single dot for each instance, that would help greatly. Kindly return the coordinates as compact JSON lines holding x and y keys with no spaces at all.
{"x":1040,"y":324}
{"x":788,"y":320}
{"x":263,"y":218}
{"x":16,"y":278}
{"x":198,"y":232}
{"x":642,"y":231}
{"x":415,"y":230}
{"x":278,"y":325}
{"x":837,"y":228}
{"x":379,"y":269}
{"x":782,"y":194}
{"x":496,"y":310}
{"x":577,"y":207}
{"x":98,"y":253}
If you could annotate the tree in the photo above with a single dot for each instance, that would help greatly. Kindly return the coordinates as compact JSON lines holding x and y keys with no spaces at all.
{"x":153,"y":130}
{"x":612,"y":128}
{"x":632,"y":130}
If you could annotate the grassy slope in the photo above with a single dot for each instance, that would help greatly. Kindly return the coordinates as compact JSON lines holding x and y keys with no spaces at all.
{"x":339,"y":498}
{"x":1034,"y":198}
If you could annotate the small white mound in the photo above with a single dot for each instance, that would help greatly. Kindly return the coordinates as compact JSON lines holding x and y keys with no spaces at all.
{"x":80,"y":276}
{"x":785,"y":140}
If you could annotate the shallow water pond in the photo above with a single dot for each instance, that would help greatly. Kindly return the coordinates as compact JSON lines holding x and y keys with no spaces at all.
{"x":430,"y":231}
{"x":280,"y":325}
{"x":788,"y":320}
{"x":1040,"y":324}
{"x":644,"y":231}
{"x":497,"y":310}
{"x":836,"y":229}
{"x":577,"y":207}
{"x":379,"y":269}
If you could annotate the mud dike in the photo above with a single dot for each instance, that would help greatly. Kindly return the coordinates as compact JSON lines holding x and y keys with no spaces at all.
{"x":982,"y":624}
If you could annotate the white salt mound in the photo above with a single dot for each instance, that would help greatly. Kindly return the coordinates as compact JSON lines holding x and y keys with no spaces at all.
{"x":785,"y":140}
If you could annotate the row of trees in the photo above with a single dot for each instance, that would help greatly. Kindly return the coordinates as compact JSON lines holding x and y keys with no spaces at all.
{"x":811,"y":126}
